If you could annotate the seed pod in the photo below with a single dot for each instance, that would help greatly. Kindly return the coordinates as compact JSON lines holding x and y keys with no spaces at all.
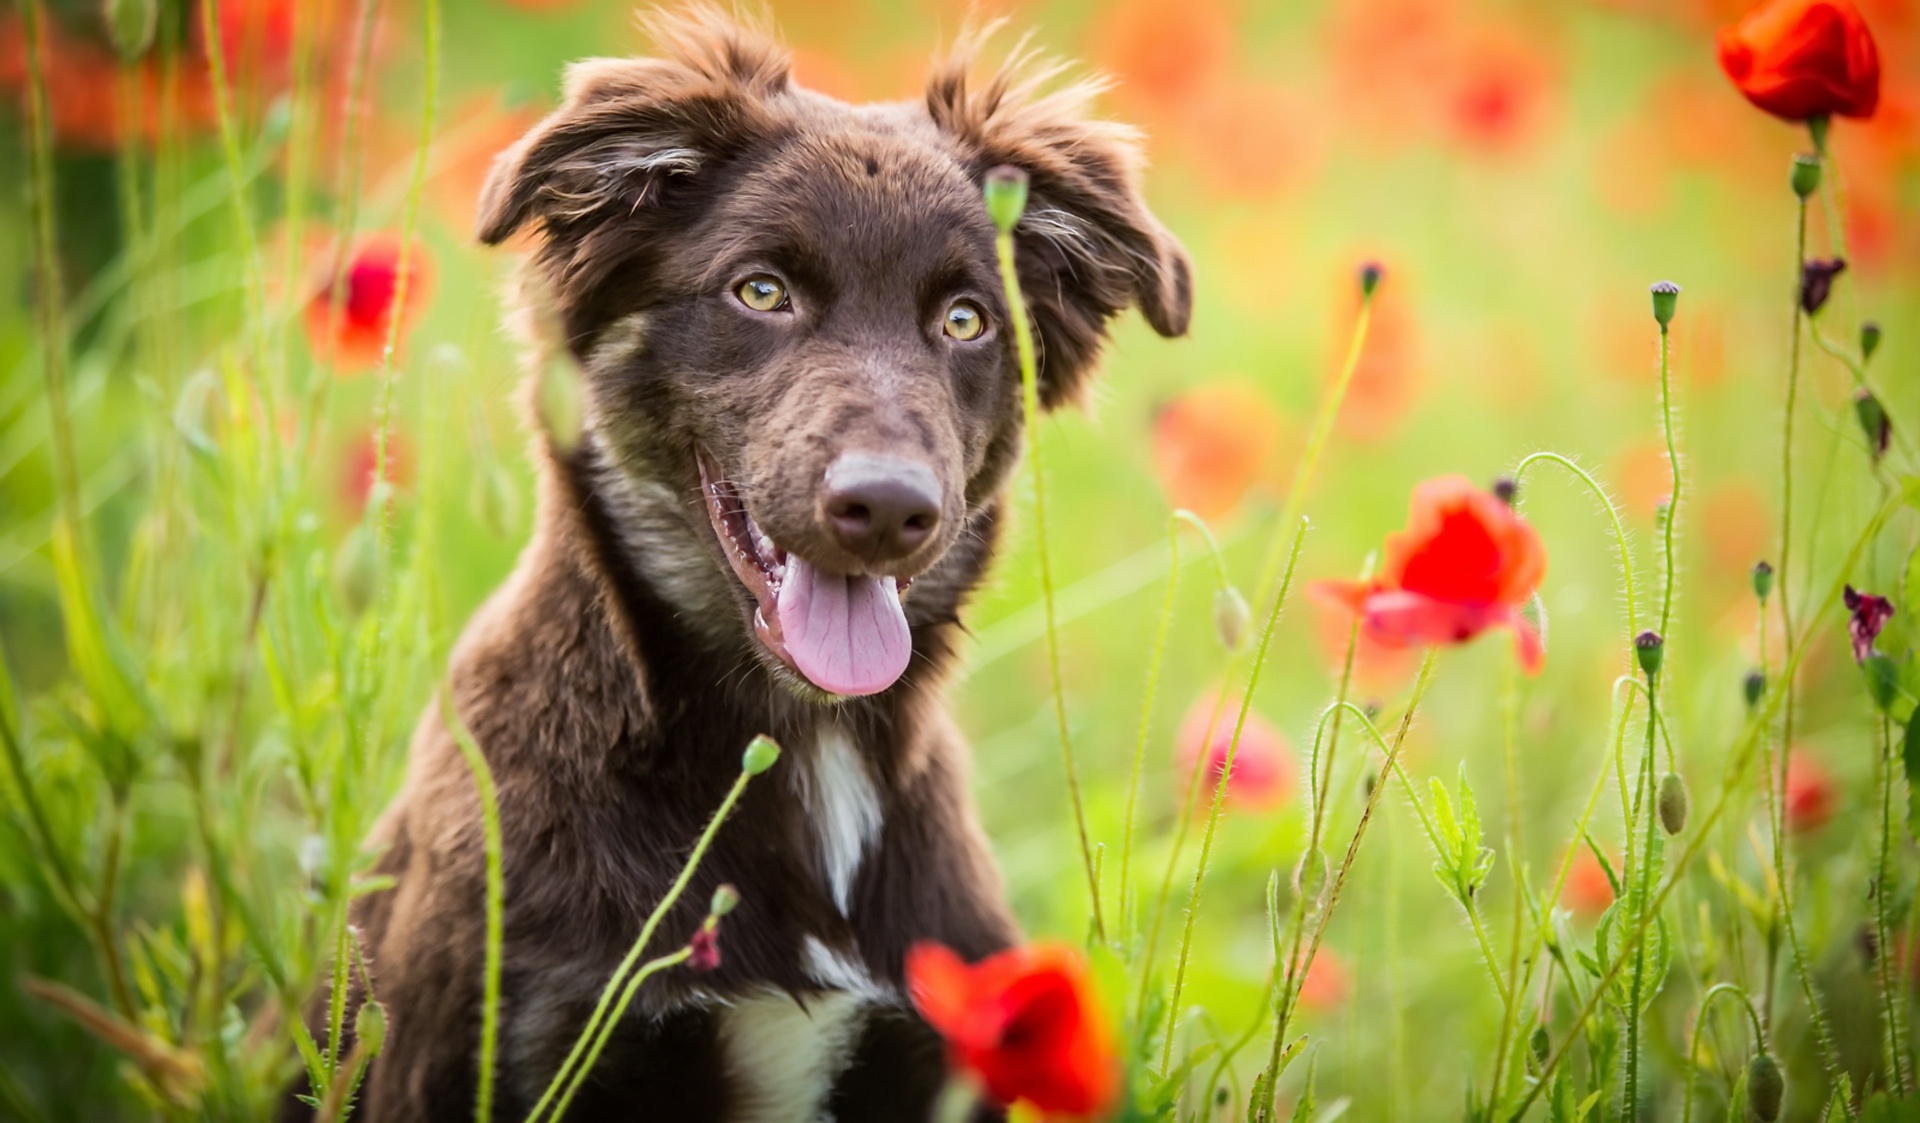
{"x":1874,"y":423}
{"x":1506,"y":489}
{"x":1806,"y":175}
{"x":1232,"y":618}
{"x":356,"y":570}
{"x":1672,"y":802}
{"x":1766,"y":1087}
{"x":1650,"y":650}
{"x":725,"y":898}
{"x":761,"y":752}
{"x":1666,"y":295}
{"x":1370,"y":274}
{"x":1753,"y":686}
{"x":1762,"y":580}
{"x":1006,"y":194}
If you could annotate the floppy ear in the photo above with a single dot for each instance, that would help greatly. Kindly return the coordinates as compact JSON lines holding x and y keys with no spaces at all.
{"x":1087,"y":246}
{"x":629,"y":128}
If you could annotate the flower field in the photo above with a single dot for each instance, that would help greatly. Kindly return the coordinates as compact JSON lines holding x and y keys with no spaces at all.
{"x":1470,"y":675}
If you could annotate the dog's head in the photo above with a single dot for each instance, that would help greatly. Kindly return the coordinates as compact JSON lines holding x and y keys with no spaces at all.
{"x":789,"y":308}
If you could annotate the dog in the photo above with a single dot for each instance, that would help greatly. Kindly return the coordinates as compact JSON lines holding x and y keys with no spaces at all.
{"x":801,"y":411}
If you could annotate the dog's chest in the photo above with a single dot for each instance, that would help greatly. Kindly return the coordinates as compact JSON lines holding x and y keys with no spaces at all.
{"x":842,"y":809}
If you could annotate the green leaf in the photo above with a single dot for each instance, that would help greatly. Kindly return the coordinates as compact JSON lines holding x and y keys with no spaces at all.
{"x":1910,"y":756}
{"x":1304,"y":1107}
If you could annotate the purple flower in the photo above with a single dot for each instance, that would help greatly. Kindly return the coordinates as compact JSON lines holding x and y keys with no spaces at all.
{"x":1816,"y":282}
{"x":1870,"y":614}
{"x":705,"y":947}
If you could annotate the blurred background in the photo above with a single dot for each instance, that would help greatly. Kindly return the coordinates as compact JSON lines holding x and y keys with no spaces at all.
{"x":1523,"y":170}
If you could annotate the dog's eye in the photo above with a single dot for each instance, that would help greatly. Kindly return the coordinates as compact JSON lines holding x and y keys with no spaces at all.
{"x":964,"y":321}
{"x":762,"y":294}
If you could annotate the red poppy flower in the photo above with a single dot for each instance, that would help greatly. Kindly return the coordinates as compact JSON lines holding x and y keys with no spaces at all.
{"x":1868,"y":615}
{"x":1588,"y":892}
{"x":1212,"y":444}
{"x":1465,"y":563}
{"x":1262,"y":776}
{"x":1326,"y":984}
{"x":1804,"y":58}
{"x":1023,"y":1022}
{"x":354,"y":331}
{"x":1809,"y":793}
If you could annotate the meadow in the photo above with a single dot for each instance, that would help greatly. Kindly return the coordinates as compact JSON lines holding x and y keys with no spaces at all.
{"x":1631,"y":839}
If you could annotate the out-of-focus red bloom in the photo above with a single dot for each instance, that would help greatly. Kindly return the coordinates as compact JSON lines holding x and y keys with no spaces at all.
{"x":704,"y":951}
{"x":1500,"y":94}
{"x":1212,"y":444}
{"x":1377,"y":668}
{"x":256,"y":37}
{"x":354,"y":331}
{"x":1810,"y":793}
{"x":1326,"y":984}
{"x":1804,"y":58}
{"x":1024,"y":1023}
{"x":1163,"y":53}
{"x":1465,"y":563}
{"x":1262,"y":776}
{"x":357,"y":468}
{"x":1588,"y":892}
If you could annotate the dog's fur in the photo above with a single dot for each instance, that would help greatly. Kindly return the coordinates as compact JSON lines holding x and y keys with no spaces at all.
{"x":614,"y":680}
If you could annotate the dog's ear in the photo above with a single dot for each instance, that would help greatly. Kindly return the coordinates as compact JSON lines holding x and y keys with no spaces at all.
{"x":628,"y":129}
{"x":1087,"y":245}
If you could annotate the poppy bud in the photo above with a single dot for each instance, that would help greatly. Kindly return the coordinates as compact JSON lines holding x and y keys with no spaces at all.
{"x":1310,"y":876}
{"x":1766,"y":1087}
{"x":1370,"y":274}
{"x":1806,"y":175}
{"x":725,"y":899}
{"x":1874,"y":423}
{"x":130,"y":25}
{"x":1666,"y":295}
{"x":1650,"y":649}
{"x":1869,"y":340}
{"x":1506,"y":489}
{"x":1006,"y":194}
{"x":495,"y":499}
{"x":1672,"y":803}
{"x":1541,"y":1044}
{"x":356,"y":570}
{"x":1816,"y":282}
{"x":1762,"y":580}
{"x":761,"y":752}
{"x":1232,"y":619}
{"x":370,"y":1026}
{"x":1753,"y":686}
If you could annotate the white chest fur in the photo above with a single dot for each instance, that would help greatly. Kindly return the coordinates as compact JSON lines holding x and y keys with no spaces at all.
{"x":843,"y":808}
{"x":782,"y":1059}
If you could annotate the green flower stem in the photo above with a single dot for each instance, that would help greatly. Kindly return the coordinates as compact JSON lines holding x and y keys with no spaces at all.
{"x":648,"y":970}
{"x":1741,"y":757}
{"x":1640,"y":866}
{"x":496,"y":895}
{"x":1297,"y":966}
{"x":47,"y":280}
{"x":1030,"y":398}
{"x":1673,"y":502}
{"x":1613,"y":514}
{"x":601,"y":1024}
{"x":1220,"y":794}
{"x":1509,"y":1013}
{"x":242,"y":206}
{"x":1883,"y":929}
{"x":1146,"y":724}
{"x":1699,"y":1024}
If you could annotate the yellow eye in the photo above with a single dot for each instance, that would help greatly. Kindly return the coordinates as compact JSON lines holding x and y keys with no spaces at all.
{"x":964,"y":321}
{"x":762,"y":294}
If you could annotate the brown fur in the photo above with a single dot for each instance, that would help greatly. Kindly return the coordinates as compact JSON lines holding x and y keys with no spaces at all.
{"x":613,"y":681}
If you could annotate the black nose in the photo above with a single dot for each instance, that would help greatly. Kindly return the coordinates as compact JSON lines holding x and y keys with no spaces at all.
{"x":881,"y":508}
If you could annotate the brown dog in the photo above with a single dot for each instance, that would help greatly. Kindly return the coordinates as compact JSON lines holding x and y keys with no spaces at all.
{"x":801,"y":398}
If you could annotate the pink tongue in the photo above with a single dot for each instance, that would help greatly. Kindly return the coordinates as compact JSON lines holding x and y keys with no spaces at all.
{"x":848,"y":635}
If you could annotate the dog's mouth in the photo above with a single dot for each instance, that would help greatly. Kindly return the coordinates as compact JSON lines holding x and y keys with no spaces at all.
{"x":844,"y":633}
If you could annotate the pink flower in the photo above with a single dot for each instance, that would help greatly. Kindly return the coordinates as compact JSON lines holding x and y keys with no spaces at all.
{"x":1262,"y":776}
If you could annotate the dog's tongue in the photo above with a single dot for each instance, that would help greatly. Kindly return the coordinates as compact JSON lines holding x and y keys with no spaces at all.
{"x":848,"y":635}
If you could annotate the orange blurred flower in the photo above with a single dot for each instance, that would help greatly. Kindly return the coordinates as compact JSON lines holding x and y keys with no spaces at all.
{"x":1262,"y":776}
{"x":1465,"y":563}
{"x":1024,"y":1022}
{"x":1798,"y":59}
{"x":1163,"y":53}
{"x":1588,"y":892}
{"x":1377,"y":668}
{"x":1810,"y":792}
{"x":1212,"y":444}
{"x":353,"y":332}
{"x":1498,"y":99}
{"x":1326,"y":983}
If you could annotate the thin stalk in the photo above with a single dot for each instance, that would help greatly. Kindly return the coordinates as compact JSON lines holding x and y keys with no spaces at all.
{"x":1030,"y":398}
{"x":1298,"y":967}
{"x":1741,"y":757}
{"x":1699,"y":1022}
{"x":1146,"y":722}
{"x":47,"y":279}
{"x":496,"y":900}
{"x":1510,"y":1010}
{"x":606,"y":1014}
{"x":1220,"y":795}
{"x":1667,"y":556}
{"x":1883,"y":930}
{"x":1642,"y":867}
{"x":242,"y":205}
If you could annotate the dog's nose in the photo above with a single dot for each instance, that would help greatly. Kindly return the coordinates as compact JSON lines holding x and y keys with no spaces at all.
{"x":881,"y":508}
